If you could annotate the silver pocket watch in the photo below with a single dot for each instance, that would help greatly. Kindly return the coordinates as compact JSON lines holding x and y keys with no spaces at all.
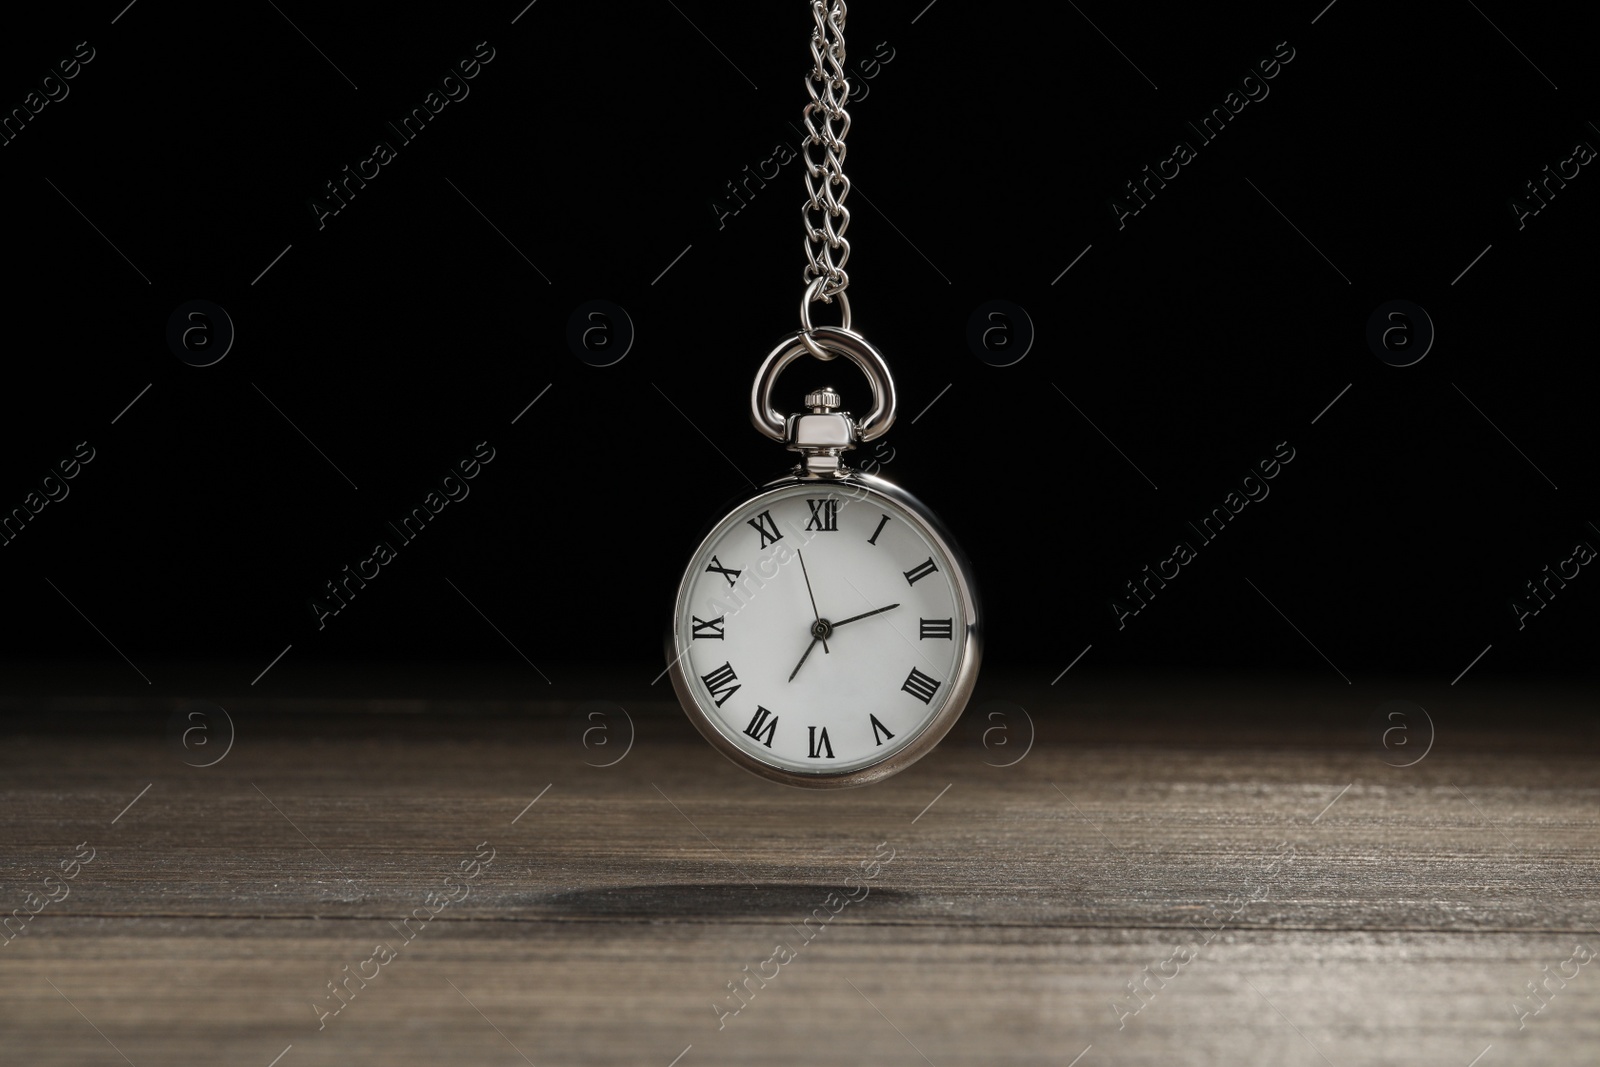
{"x":826,"y":630}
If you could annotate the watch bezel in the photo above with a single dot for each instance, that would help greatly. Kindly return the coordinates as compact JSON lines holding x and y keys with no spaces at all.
{"x":960,"y":686}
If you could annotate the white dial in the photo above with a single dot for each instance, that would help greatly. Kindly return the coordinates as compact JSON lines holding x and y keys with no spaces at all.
{"x":824,"y":628}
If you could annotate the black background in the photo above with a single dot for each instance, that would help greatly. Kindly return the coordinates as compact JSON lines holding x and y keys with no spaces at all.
{"x":407,"y":328}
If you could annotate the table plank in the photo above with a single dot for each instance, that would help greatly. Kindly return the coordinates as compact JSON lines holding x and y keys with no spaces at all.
{"x":1335,"y":906}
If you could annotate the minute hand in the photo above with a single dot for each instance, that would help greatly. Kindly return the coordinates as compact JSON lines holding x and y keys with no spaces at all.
{"x":863,"y":615}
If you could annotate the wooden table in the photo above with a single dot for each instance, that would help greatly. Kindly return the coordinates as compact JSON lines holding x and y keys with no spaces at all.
{"x":1212,"y":872}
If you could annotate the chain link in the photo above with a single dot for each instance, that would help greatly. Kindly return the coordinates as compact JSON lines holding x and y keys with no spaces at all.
{"x":825,"y":216}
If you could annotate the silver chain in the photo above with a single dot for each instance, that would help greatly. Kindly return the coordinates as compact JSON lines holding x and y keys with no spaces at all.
{"x":826,"y":248}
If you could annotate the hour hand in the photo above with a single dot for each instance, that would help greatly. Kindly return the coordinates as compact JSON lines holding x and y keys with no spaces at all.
{"x":863,"y":615}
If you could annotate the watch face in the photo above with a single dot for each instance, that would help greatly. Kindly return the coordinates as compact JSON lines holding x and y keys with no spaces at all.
{"x":825,"y":633}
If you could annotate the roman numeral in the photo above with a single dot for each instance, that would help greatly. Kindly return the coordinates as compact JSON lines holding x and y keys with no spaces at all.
{"x":920,"y":571}
{"x":930,"y":628}
{"x":873,"y":540}
{"x":722,"y":683}
{"x":764,"y":720}
{"x":730,"y":573}
{"x":824,"y":514}
{"x":766,"y":528}
{"x":818,"y":744}
{"x":878,"y":727}
{"x":713,"y":628}
{"x":920,"y":685}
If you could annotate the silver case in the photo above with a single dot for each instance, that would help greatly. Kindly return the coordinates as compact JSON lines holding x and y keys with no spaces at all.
{"x":960,"y":687}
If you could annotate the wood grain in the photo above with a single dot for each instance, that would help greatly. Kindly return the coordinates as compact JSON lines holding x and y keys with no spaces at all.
{"x":1406,"y":911}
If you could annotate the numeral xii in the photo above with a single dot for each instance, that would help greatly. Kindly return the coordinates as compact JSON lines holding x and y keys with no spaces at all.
{"x":824,"y":515}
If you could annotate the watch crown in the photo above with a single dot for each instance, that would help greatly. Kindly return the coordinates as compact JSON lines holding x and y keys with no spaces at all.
{"x":822,"y":432}
{"x":823,"y":400}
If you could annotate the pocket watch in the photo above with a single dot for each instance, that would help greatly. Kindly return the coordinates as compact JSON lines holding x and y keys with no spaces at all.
{"x":826,"y":630}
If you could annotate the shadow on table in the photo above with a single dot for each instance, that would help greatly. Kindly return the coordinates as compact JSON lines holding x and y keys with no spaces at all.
{"x":721,"y":901}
